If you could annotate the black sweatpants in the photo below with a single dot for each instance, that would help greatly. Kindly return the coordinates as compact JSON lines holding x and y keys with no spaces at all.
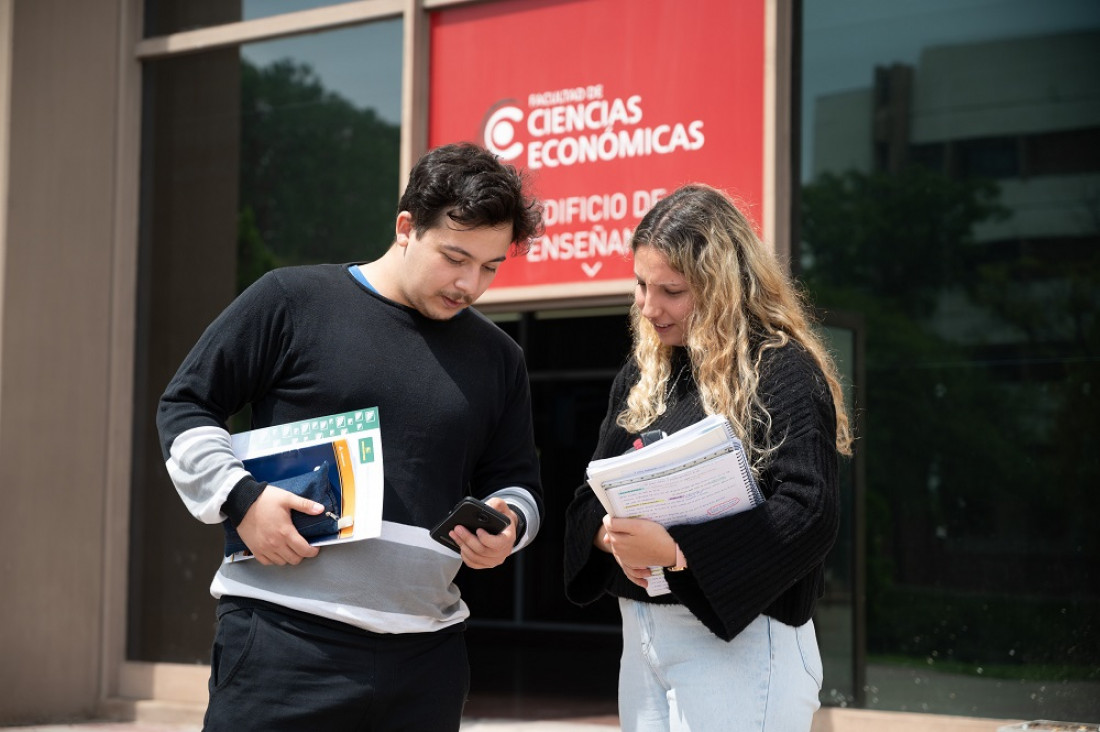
{"x":275,"y":670}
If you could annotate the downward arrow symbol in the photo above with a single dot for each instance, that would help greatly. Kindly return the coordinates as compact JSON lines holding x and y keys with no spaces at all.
{"x":591,"y":269}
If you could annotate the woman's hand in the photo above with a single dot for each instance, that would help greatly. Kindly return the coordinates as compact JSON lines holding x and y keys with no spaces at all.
{"x":602,"y":541}
{"x":637,"y":545}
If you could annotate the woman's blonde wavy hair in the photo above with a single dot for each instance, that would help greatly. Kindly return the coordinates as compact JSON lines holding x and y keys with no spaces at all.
{"x":744,"y":304}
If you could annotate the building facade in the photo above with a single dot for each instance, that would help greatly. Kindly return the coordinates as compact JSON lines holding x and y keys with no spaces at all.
{"x":931,"y":174}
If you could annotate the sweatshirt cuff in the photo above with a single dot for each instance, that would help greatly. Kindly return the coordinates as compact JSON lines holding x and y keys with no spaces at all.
{"x":241,"y":498}
{"x":521,"y":522}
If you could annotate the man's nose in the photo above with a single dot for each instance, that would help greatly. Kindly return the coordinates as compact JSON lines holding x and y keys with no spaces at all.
{"x":466,"y":282}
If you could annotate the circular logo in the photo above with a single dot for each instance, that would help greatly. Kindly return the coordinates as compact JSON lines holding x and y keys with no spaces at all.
{"x":499,"y":132}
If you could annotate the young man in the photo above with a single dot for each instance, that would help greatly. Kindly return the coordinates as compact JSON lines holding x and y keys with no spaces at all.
{"x":365,"y":635}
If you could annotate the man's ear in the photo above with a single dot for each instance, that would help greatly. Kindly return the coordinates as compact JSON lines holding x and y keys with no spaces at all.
{"x":403,"y":229}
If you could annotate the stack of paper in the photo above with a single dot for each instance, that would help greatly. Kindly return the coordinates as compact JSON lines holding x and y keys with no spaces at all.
{"x":696,"y":474}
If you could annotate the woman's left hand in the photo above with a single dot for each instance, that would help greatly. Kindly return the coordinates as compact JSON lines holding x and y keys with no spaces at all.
{"x":637,"y":545}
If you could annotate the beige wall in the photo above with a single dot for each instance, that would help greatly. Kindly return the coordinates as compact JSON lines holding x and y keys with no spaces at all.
{"x":5,"y":110}
{"x":64,"y":288}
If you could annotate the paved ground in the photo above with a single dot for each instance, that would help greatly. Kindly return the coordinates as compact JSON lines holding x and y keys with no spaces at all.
{"x":470,"y":725}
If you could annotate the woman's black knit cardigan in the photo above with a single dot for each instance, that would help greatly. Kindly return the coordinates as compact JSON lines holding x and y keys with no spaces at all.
{"x":766,"y":560}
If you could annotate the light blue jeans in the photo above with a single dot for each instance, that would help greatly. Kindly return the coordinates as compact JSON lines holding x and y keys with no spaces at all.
{"x":677,"y":676}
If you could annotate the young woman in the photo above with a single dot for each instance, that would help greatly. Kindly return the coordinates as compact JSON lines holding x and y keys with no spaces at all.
{"x":718,"y":329}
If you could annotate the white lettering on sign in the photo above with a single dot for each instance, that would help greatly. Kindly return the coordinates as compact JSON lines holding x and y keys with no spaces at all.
{"x":565,"y":96}
{"x":585,"y":209}
{"x":610,"y":145}
{"x":597,"y":241}
{"x":594,"y":115}
{"x":578,"y":125}
{"x":585,"y":244}
{"x":645,"y":200}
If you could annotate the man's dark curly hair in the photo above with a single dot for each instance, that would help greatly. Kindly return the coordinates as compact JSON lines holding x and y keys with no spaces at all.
{"x":473,"y":188}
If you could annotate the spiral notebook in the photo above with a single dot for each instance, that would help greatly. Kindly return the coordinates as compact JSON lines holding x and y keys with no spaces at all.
{"x":696,"y":474}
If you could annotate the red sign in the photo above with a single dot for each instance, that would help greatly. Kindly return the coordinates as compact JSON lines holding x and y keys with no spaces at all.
{"x":607,"y":105}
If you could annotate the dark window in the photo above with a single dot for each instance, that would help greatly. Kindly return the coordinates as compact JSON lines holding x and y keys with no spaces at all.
{"x":993,"y":157}
{"x":1063,"y":153}
{"x":253,"y":157}
{"x":932,"y":156}
{"x":975,"y":277}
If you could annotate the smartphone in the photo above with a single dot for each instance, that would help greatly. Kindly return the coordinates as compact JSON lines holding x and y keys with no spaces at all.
{"x":474,"y":515}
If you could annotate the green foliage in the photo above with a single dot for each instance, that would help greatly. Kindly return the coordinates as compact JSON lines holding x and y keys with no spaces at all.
{"x":961,"y":632}
{"x":895,"y":238}
{"x":319,"y":176}
{"x":887,"y":247}
{"x":253,"y":258}
{"x":980,"y":416}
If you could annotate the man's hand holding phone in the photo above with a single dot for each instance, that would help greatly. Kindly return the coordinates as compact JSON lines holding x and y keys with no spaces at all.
{"x":483,"y":533}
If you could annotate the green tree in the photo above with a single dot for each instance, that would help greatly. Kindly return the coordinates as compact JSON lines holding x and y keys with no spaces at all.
{"x":319,"y":176}
{"x":980,"y":419}
{"x":890,"y":247}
